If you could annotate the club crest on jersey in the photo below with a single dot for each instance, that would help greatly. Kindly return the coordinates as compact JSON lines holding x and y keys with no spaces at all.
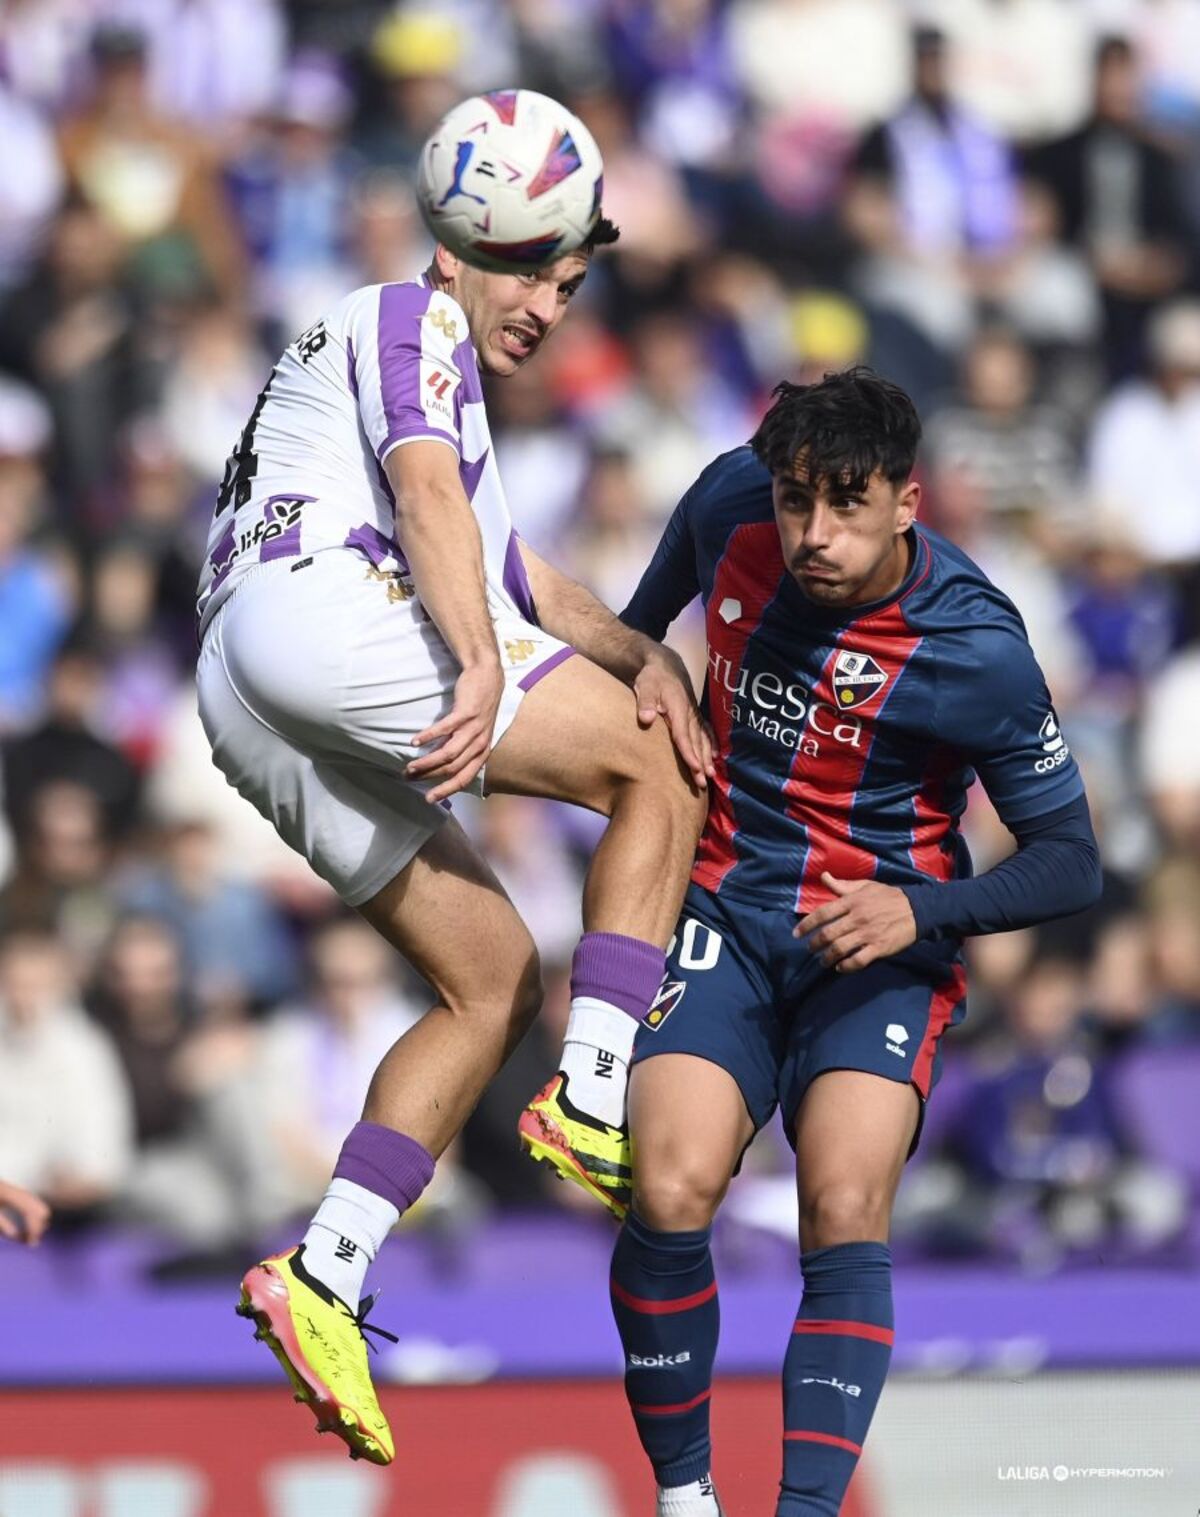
{"x":664,"y":1003}
{"x":857,"y":678}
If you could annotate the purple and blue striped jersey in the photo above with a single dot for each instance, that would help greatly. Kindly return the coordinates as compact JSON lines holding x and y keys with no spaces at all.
{"x":389,"y":365}
{"x":847,"y":739}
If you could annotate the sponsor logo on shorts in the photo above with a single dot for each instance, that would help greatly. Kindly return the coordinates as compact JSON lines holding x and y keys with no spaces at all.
{"x":664,"y":1003}
{"x":659,"y":1361}
{"x":857,"y":678}
{"x":897,"y":1036}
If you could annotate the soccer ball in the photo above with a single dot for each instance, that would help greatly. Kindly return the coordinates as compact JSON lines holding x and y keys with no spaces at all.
{"x":510,"y":181}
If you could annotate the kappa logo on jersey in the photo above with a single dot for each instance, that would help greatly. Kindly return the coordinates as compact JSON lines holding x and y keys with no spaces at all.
{"x":1054,"y":746}
{"x":446,"y":325}
{"x":664,"y":1003}
{"x":856,"y":679}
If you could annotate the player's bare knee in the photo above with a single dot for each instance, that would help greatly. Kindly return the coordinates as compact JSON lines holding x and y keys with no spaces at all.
{"x":681,"y":1199}
{"x":509,"y":999}
{"x":844,"y":1211}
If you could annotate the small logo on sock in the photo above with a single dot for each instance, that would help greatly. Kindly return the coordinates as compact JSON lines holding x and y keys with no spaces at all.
{"x":345,"y":1251}
{"x":659,"y":1361}
{"x":604,"y":1064}
{"x":664,"y":1003}
{"x":706,"y":1487}
{"x":838,"y":1385}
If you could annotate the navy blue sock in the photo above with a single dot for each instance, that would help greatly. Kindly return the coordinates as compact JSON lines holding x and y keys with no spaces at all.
{"x":833,"y":1372}
{"x":664,"y":1300}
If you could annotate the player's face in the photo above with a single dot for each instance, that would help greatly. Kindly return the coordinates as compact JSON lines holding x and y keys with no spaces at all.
{"x":844,"y":548}
{"x":511,"y":315}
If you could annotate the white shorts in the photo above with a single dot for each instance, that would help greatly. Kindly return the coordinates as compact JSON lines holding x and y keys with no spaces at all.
{"x":313,"y":680}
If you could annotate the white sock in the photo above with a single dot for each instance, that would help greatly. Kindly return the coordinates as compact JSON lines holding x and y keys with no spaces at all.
{"x":344,"y":1236}
{"x":596,"y":1054}
{"x":696,"y":1500}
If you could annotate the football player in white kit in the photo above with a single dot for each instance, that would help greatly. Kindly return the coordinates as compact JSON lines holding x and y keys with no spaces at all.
{"x":373,"y":633}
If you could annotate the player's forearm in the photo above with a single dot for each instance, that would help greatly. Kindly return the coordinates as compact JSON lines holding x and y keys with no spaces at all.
{"x":1054,"y":873}
{"x":440,"y":538}
{"x":573,"y":614}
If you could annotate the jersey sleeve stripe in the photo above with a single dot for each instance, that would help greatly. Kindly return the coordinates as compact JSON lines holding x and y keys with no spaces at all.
{"x":397,"y":438}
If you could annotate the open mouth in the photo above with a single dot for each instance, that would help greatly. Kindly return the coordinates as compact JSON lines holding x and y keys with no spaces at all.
{"x":517,"y":342}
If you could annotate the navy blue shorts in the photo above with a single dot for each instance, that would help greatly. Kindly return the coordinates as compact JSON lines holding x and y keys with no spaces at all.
{"x":745,"y":994}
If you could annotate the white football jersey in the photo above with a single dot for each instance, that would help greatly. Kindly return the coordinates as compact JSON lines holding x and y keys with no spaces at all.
{"x":390,"y":364}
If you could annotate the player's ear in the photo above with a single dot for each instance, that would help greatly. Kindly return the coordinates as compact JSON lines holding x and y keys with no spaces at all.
{"x":446,"y":262}
{"x":906,"y":506}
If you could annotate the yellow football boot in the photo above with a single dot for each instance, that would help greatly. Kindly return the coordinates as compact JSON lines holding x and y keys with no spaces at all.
{"x":321,"y":1345}
{"x":581,"y":1148}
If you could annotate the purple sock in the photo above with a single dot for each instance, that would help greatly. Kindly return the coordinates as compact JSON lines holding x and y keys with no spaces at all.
{"x":385,"y":1162}
{"x":625,"y":972}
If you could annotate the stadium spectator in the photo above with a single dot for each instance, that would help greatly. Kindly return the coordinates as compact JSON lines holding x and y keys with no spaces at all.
{"x":1017,"y":449}
{"x":24,"y":1217}
{"x":1045,"y":1162}
{"x":1145,"y":444}
{"x":1118,"y":200}
{"x":236,"y":948}
{"x":932,"y":202}
{"x":71,"y":328}
{"x":151,"y":178}
{"x":1022,"y":65}
{"x":1169,"y":750}
{"x":60,"y":882}
{"x":292,"y":196}
{"x":34,"y":595}
{"x":66,"y":1118}
{"x":179,"y":1180}
{"x":71,"y":743}
{"x":27,"y":199}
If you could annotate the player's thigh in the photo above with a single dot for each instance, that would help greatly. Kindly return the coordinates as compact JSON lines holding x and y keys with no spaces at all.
{"x":448,"y":914}
{"x":861,"y":1060}
{"x":357,"y":826}
{"x":576,"y":737}
{"x":716,"y":1033}
{"x":688,"y":1126}
{"x":886,"y":1020}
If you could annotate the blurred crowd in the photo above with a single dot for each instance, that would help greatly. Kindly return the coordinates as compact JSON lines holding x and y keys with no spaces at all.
{"x":995,"y":202}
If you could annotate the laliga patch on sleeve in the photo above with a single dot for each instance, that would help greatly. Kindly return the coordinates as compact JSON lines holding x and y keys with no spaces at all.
{"x":438,"y":384}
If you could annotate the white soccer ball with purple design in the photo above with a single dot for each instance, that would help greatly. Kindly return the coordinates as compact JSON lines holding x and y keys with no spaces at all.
{"x":510,"y":181}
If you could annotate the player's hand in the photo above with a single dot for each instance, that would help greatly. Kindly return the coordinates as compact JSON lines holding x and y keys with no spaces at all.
{"x":24,"y":1217}
{"x":464,"y":736}
{"x":663,"y":689}
{"x":866,"y":921}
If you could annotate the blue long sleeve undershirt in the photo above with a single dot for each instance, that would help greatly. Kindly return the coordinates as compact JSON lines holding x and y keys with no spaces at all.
{"x":1054,"y":873}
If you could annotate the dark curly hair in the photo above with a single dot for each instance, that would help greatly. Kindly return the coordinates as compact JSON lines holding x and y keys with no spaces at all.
{"x":848,"y":426}
{"x":602,"y":235}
